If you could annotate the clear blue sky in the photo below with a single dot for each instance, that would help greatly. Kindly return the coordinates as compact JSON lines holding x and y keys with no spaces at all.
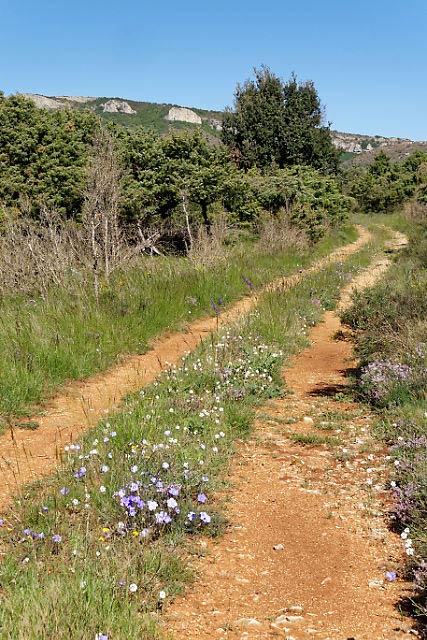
{"x":367,"y":58}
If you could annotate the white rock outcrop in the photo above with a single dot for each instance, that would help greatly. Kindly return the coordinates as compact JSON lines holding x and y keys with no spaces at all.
{"x":215,"y":124}
{"x":117,"y":106}
{"x":43,"y":102}
{"x":57,"y":102}
{"x":182,"y":114}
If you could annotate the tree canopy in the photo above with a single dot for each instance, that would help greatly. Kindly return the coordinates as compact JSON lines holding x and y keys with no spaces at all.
{"x":278,"y":123}
{"x":42,"y":156}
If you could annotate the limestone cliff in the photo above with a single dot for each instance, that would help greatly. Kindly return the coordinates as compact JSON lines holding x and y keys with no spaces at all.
{"x":182,"y":114}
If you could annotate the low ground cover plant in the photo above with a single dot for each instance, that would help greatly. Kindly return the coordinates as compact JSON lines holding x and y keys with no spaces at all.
{"x":97,"y":549}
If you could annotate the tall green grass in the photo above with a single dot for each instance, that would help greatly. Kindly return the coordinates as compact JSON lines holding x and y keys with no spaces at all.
{"x":105,"y":577}
{"x":67,"y":335}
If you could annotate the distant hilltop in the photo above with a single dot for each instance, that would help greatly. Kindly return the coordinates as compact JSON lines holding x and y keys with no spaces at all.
{"x":131,"y":113}
{"x":356,"y":148}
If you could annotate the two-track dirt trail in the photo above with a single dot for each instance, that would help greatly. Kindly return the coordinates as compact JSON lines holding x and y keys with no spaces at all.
{"x":307,"y":551}
{"x":26,"y":455}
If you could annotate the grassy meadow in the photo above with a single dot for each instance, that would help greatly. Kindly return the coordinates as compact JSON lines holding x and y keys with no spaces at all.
{"x":68,"y":334}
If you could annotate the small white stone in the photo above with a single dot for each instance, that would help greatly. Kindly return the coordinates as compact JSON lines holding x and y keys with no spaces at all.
{"x":375,"y":583}
{"x":248,"y":622}
{"x":296,"y":608}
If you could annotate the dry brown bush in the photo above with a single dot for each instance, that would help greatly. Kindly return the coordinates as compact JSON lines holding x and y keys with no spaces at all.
{"x":36,"y":254}
{"x":209,"y":246}
{"x":416,"y":211}
{"x":280,"y":234}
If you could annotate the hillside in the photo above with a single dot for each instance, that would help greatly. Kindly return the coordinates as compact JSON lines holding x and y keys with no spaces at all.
{"x":356,"y":148}
{"x":396,"y":149}
{"x":132,"y":113}
{"x":362,"y":149}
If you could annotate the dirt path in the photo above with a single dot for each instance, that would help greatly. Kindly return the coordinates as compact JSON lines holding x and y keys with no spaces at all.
{"x":307,"y":551}
{"x":26,"y":455}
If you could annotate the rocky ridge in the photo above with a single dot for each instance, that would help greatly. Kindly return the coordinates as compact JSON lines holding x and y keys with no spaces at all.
{"x":358,"y":143}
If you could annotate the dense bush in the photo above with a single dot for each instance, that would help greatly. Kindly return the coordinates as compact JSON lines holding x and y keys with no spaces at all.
{"x":307,"y":198}
{"x":42,"y":157}
{"x":384,"y":185}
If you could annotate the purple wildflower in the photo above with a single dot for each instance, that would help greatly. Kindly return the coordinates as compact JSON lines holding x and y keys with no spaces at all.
{"x":248,"y":282}
{"x":205,"y":517}
{"x":56,"y":538}
{"x":215,"y":307}
{"x":201,"y":498}
{"x":163,"y":518}
{"x":420,"y":575}
{"x":378,"y":378}
{"x":64,"y":491}
{"x":171,"y":503}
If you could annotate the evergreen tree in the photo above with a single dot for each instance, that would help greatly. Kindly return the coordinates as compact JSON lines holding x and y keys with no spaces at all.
{"x":277,"y":123}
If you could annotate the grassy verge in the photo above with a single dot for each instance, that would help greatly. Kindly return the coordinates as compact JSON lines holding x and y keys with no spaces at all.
{"x":391,"y":342}
{"x":101,"y":546}
{"x":67,"y":335}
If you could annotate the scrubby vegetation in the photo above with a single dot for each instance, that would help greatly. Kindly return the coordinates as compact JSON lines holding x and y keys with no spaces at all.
{"x":168,"y":182}
{"x":391,"y":343}
{"x":384,"y":185}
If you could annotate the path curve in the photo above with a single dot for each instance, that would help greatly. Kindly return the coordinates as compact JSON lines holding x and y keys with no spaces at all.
{"x":307,"y":551}
{"x":27,"y":455}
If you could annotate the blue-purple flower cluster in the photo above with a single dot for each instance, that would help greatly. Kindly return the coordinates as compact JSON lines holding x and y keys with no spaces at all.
{"x":380,"y":377}
{"x":149,"y":472}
